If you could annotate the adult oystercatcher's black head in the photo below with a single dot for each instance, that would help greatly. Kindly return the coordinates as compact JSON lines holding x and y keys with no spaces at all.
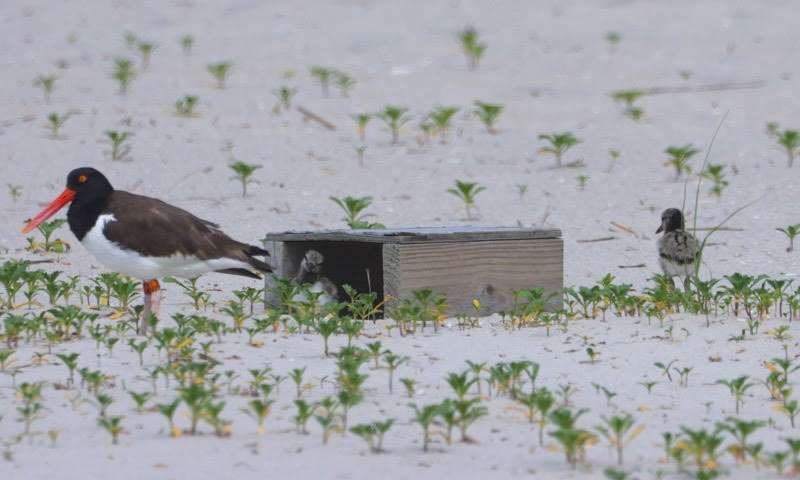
{"x":671,"y":220}
{"x":89,"y":192}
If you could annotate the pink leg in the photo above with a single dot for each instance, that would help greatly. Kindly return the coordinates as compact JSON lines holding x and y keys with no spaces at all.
{"x":152,"y":302}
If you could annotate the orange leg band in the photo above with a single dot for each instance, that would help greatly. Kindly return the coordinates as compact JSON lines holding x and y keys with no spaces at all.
{"x":151,"y":286}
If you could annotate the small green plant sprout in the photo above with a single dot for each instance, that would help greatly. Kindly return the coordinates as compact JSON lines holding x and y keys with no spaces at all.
{"x":146,"y":52}
{"x":352,"y":208}
{"x":140,"y":399}
{"x":442,"y":118}
{"x":592,"y":354}
{"x":47,"y":229}
{"x":123,"y":73}
{"x":685,"y":75}
{"x":258,"y":410}
{"x":488,"y":113}
{"x":573,"y":440}
{"x":466,"y":191}
{"x":186,"y":42}
{"x":615,"y":430}
{"x":559,"y":143}
{"x":343,"y":82}
{"x":425,"y":416}
{"x":583,"y":180}
{"x":522,"y":189}
{"x":55,"y":122}
{"x":472,"y":47}
{"x":130,"y":40}
{"x":683,"y":374}
{"x":771,"y":129}
{"x":373,"y":433}
{"x":46,"y":83}
{"x":185,"y":106}
{"x":678,"y":159}
{"x":410,"y":385}
{"x":243,"y":173}
{"x":284,"y":94}
{"x":738,"y":387}
{"x":789,"y":140}
{"x":394,"y":117}
{"x":628,"y":98}
{"x":665,"y":369}
{"x":112,"y":425}
{"x":362,"y":119}
{"x":614,"y":156}
{"x":6,"y":360}
{"x":360,"y":153}
{"x":119,"y":149}
{"x":790,"y":231}
{"x":716,"y":174}
{"x":15,"y":191}
{"x":323,"y":76}
{"x":613,"y":39}
{"x":648,"y":386}
{"x":392,"y":363}
{"x":71,"y":362}
{"x":220,"y":71}
{"x":790,"y":409}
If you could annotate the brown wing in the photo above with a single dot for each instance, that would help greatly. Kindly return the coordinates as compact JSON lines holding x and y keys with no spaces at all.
{"x":155,"y":228}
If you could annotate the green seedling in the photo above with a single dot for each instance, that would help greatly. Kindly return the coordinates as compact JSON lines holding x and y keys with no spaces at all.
{"x":683,"y":375}
{"x":790,"y":231}
{"x":140,"y":399}
{"x":472,"y":47}
{"x":55,"y":122}
{"x":198,"y":297}
{"x":665,"y":369}
{"x":112,"y":425}
{"x":258,"y":410}
{"x":6,"y":360}
{"x":351,"y":328}
{"x":360,"y":154}
{"x":47,"y":229}
{"x":30,"y":411}
{"x":220,"y":72}
{"x":522,"y":189}
{"x":119,"y":149}
{"x":304,"y":412}
{"x":466,"y":191}
{"x":738,"y":387}
{"x":145,"y":52}
{"x":71,"y":362}
{"x":614,"y":474}
{"x":15,"y":191}
{"x":613,"y":39}
{"x":347,"y":400}
{"x":771,"y":129}
{"x":327,"y":327}
{"x":328,"y":418}
{"x":701,"y":446}
{"x":425,"y":416}
{"x":373,"y":433}
{"x":614,"y":157}
{"x":679,"y":159}
{"x":297,"y":377}
{"x":461,"y":383}
{"x":410,"y":385}
{"x":488,"y":113}
{"x":468,"y":412}
{"x":789,"y":140}
{"x":123,"y":73}
{"x":284,"y":94}
{"x":442,"y":118}
{"x":352,"y":208}
{"x":790,"y":409}
{"x":583,"y":180}
{"x":130,"y":40}
{"x":362,"y":119}
{"x":615,"y":430}
{"x":573,"y":440}
{"x":648,"y":386}
{"x":243,"y":171}
{"x":46,"y":83}
{"x":741,"y":431}
{"x":559,"y":144}
{"x":716,"y":174}
{"x":187,"y":42}
{"x":103,"y":402}
{"x":196,"y":398}
{"x":168,"y":410}
{"x":628,"y":98}
{"x":343,"y":82}
{"x":394,"y":117}
{"x":185,"y":106}
{"x":323,"y":76}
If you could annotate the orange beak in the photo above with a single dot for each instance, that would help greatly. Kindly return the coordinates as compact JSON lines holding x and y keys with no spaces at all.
{"x":56,"y":205}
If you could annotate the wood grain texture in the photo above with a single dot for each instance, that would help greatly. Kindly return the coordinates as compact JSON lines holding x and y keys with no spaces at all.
{"x":420,"y":234}
{"x":485,"y":270}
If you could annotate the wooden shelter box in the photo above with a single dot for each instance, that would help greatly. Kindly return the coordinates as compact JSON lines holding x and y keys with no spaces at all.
{"x":465,"y":263}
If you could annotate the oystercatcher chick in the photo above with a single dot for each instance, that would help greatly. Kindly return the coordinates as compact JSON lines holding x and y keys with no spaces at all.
{"x":677,"y":249}
{"x":145,"y":238}
{"x":310,"y":273}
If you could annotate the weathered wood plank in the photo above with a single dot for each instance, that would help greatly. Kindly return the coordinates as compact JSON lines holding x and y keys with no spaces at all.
{"x":486,"y":270}
{"x":417,"y":235}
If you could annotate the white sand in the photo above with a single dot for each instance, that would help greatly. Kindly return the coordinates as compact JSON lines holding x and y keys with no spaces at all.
{"x":405,"y":53}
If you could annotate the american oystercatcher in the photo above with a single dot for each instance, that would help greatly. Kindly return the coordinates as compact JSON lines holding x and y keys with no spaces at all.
{"x":310,"y":273}
{"x":145,"y":238}
{"x":677,"y":248}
